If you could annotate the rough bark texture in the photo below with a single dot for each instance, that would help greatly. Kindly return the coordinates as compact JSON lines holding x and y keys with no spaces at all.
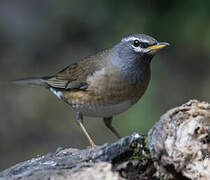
{"x":180,"y":142}
{"x":178,"y":147}
{"x":128,"y":156}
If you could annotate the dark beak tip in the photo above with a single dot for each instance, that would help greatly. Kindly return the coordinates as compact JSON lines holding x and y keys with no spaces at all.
{"x":164,"y":43}
{"x":168,"y":44}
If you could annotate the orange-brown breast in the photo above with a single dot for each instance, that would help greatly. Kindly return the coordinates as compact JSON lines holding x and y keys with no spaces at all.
{"x":106,"y":86}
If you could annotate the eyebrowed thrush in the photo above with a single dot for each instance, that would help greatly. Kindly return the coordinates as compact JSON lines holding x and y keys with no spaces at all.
{"x":106,"y":83}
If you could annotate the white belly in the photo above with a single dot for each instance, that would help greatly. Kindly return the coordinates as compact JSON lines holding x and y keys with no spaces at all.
{"x":103,"y":110}
{"x":94,"y":110}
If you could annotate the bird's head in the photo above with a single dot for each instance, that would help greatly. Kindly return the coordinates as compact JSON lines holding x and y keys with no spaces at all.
{"x":133,"y":54}
{"x":138,"y":47}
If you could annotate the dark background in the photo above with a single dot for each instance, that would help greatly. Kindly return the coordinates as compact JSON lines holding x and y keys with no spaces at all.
{"x":40,"y":37}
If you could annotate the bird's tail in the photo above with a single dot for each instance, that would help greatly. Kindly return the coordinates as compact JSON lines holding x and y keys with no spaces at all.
{"x":31,"y":82}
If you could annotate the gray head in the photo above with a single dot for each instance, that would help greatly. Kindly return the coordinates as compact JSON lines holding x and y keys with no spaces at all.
{"x":133,"y":54}
{"x":138,"y":45}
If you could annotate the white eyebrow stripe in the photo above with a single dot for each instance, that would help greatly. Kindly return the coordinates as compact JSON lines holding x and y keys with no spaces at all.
{"x":134,"y":38}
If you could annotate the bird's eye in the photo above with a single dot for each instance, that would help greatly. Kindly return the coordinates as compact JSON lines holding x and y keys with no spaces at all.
{"x":136,"y":43}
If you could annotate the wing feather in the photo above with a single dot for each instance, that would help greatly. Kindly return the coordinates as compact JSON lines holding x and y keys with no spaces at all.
{"x":75,"y":76}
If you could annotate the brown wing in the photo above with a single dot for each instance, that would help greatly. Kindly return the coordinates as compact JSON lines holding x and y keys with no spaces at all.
{"x":75,"y":75}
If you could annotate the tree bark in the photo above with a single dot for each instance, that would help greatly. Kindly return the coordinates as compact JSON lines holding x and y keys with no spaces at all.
{"x":177,"y":147}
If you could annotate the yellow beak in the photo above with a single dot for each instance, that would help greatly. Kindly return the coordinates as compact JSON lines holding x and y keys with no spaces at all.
{"x":158,"y":46}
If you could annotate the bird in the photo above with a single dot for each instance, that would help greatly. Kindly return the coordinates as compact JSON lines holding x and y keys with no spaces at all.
{"x":104,"y":84}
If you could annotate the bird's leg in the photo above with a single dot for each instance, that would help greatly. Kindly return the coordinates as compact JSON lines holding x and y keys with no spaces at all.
{"x":108,"y":123}
{"x":79,"y":118}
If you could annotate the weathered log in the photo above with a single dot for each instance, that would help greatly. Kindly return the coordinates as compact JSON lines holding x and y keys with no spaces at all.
{"x":180,"y":142}
{"x":178,"y":147}
{"x":64,"y":163}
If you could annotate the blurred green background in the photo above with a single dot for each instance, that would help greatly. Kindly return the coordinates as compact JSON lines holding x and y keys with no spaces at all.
{"x":40,"y":37}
